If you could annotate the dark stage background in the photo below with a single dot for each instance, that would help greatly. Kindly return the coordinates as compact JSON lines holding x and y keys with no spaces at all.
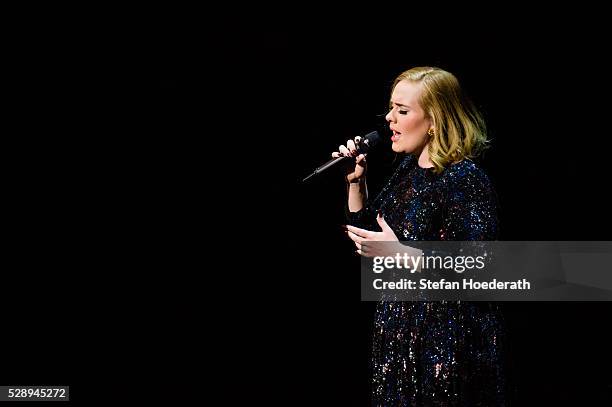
{"x":304,"y":94}
{"x":163,"y":145}
{"x":543,"y":108}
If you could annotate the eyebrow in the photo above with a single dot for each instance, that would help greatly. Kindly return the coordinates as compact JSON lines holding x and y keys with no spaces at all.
{"x":399,"y":104}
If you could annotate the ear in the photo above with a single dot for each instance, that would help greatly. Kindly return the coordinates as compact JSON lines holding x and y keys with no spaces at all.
{"x":430,"y":123}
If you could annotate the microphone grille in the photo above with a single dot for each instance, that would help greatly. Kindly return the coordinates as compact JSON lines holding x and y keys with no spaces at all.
{"x":370,"y":140}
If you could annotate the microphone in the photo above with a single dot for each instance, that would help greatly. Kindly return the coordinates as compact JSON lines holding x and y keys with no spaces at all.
{"x":364,"y":145}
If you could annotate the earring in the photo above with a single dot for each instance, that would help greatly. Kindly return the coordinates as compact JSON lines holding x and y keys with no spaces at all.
{"x":430,"y":132}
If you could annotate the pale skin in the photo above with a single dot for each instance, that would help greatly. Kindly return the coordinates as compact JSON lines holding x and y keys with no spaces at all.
{"x":409,"y":124}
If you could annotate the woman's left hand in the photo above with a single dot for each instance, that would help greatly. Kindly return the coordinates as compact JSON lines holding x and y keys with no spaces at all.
{"x":361,"y":237}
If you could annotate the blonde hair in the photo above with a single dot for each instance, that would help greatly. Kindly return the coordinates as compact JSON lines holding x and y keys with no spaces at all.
{"x":459,"y":129}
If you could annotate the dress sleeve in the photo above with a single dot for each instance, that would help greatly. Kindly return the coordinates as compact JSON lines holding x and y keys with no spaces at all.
{"x":366,"y":217}
{"x":472,"y":208}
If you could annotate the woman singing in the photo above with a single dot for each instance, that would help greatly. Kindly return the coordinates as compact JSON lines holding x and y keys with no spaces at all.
{"x":431,"y":353}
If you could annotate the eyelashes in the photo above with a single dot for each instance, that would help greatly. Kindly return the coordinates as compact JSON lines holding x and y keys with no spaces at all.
{"x":402,"y":112}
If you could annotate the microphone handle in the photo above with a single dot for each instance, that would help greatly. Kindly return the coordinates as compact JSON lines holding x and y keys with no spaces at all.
{"x":326,"y":166}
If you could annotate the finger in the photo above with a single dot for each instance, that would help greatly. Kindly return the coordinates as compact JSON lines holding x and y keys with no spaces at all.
{"x":335,"y":154}
{"x":365,"y":234}
{"x":364,"y":248}
{"x":358,"y":245}
{"x":351,"y":146}
{"x":382,"y":222}
{"x":361,"y":159}
{"x":344,"y":150}
{"x":354,"y":237}
{"x":364,"y":252}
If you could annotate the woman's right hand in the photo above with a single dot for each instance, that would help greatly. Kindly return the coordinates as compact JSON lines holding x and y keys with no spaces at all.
{"x":356,"y":174}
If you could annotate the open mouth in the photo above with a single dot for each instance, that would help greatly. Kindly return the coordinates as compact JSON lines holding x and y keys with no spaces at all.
{"x":396,"y":135}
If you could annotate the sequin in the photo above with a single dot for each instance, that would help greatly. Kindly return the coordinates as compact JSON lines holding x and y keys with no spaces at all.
{"x":437,"y":353}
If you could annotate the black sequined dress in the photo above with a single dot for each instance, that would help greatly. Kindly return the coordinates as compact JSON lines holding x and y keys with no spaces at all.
{"x":437,"y":353}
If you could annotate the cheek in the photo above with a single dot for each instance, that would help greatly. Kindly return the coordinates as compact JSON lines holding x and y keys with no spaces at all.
{"x":408,"y":123}
{"x":415,"y":126}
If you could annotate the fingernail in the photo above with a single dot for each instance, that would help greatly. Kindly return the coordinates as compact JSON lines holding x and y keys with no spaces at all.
{"x":344,"y":227}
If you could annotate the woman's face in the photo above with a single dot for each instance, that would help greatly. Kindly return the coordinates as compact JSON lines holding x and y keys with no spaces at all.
{"x":407,"y":119}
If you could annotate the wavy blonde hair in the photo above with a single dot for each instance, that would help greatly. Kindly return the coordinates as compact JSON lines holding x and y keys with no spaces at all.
{"x":459,"y":129}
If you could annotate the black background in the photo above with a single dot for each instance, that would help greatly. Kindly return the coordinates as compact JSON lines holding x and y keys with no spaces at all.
{"x":544,"y":101}
{"x":151,"y":143}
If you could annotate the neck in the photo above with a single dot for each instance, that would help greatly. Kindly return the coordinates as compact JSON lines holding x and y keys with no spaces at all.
{"x":424,"y":161}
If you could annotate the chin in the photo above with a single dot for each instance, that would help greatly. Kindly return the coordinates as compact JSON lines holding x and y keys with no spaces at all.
{"x":401,"y":149}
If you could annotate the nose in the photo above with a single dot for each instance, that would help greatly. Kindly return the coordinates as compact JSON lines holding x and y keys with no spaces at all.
{"x":389,"y":116}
